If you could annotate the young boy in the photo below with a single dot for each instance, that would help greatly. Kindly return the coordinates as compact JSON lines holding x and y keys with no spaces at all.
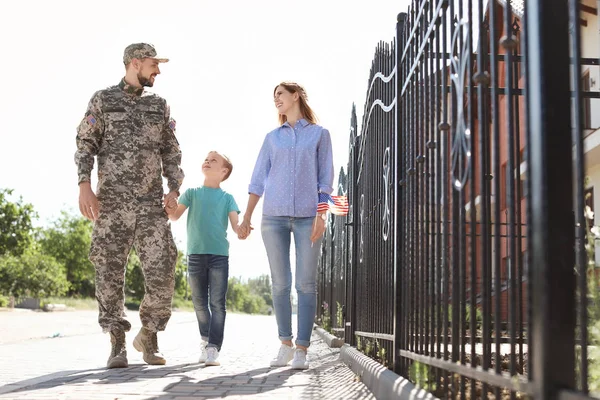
{"x":208,"y":250}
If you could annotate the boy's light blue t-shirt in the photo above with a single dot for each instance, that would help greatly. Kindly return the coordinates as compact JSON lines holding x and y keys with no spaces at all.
{"x":207,"y":220}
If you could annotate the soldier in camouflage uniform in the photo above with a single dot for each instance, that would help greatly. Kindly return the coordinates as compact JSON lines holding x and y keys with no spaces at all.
{"x":132,"y":134}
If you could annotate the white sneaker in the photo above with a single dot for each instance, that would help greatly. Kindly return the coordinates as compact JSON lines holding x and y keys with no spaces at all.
{"x":285,"y":355}
{"x":203,"y":353}
{"x":299,"y":361}
{"x":213,"y":354}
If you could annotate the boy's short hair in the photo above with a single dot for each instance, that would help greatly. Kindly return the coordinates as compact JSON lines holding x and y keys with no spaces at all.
{"x":227,"y":164}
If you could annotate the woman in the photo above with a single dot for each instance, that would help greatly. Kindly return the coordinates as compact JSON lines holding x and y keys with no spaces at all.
{"x":295,"y":163}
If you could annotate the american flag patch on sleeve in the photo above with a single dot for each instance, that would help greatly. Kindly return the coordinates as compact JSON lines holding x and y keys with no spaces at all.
{"x":91,"y":119}
{"x":172,"y":124}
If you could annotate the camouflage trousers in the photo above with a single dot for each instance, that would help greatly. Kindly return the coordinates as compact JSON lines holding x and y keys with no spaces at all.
{"x":118,"y":229}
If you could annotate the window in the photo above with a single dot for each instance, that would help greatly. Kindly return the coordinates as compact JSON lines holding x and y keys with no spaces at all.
{"x":505,"y":269}
{"x":519,"y":178}
{"x":524,"y":264}
{"x":523,"y":172}
{"x":586,"y":101}
{"x":589,"y":201}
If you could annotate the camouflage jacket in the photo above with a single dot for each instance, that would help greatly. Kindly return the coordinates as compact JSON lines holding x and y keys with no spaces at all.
{"x":131,"y":133}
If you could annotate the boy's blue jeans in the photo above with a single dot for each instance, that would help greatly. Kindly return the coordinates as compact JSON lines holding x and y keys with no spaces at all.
{"x":208,"y":275}
{"x":276,"y":234}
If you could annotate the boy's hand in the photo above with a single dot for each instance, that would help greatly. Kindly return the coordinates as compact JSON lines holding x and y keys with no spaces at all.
{"x":170,"y":202}
{"x":239,"y":233}
{"x":244,"y":229}
{"x":242,"y":234}
{"x":172,"y":205}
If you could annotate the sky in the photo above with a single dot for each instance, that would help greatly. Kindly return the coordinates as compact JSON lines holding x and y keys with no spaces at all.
{"x":226,"y":57}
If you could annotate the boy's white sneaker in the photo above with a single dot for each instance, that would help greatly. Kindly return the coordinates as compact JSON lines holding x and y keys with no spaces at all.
{"x":285,"y":355}
{"x":203,"y":353}
{"x":299,"y":361}
{"x":211,"y":359}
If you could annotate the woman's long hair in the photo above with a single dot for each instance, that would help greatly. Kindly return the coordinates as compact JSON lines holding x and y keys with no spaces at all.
{"x":305,"y":109}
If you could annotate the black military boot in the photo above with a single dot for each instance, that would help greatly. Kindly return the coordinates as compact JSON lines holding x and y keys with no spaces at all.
{"x":118,"y":352}
{"x":147,"y":343}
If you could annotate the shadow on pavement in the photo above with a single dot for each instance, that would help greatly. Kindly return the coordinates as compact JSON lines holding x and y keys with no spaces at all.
{"x":97,"y":376}
{"x":326,"y":379}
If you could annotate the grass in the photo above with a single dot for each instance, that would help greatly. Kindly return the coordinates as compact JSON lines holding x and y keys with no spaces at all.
{"x":131,"y":304}
{"x":182,"y":305}
{"x":89,"y":303}
{"x":86,"y":303}
{"x":178,"y":304}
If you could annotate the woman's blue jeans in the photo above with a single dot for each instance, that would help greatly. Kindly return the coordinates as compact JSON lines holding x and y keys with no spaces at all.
{"x":276,"y":234}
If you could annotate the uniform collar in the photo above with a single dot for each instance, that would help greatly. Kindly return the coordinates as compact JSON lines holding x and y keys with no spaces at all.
{"x":127,"y":88}
{"x":302,"y":122}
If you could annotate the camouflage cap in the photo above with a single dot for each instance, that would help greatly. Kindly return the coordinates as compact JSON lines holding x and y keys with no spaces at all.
{"x":141,"y":51}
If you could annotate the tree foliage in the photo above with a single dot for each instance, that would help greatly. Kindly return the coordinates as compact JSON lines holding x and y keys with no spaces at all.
{"x":16,"y":229}
{"x":249,"y":297}
{"x":32,"y":274}
{"x":68,"y":240}
{"x":261,"y":286}
{"x":54,"y":261}
{"x":134,"y":277}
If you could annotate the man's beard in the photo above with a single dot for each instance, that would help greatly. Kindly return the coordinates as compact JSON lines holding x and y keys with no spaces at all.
{"x":144,"y":81}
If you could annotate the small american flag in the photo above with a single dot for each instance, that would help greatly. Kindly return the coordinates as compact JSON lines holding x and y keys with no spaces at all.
{"x":91,"y":119}
{"x":338,"y":205}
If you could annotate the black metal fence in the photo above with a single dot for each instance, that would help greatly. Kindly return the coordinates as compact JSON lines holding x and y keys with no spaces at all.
{"x":458,"y":265}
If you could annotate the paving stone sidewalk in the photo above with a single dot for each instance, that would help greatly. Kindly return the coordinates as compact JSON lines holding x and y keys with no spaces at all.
{"x":71,"y":365}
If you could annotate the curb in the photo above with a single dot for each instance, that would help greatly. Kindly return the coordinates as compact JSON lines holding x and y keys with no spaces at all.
{"x":382,"y":382}
{"x":332,"y":341}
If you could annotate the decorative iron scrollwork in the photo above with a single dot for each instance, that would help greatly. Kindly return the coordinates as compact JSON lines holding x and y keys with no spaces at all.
{"x":350,"y":235}
{"x":367,"y":116}
{"x":386,"y":205}
{"x":361,"y":246}
{"x":459,"y":66}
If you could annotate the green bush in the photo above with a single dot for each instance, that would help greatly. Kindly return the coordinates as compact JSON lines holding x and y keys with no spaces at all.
{"x":182,"y":304}
{"x":254,"y":305}
{"x":68,"y":241}
{"x":593,"y":309}
{"x":134,"y":277}
{"x":261,"y":286}
{"x":467,"y":321}
{"x":243,"y":297}
{"x":3,"y":301}
{"x":325,"y":317}
{"x":32,"y":274}
{"x":16,"y":224}
{"x":132,"y":304}
{"x":422,"y":375}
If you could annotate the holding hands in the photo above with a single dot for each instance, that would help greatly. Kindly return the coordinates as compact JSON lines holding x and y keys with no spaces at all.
{"x":170,"y":202}
{"x":244,"y":229}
